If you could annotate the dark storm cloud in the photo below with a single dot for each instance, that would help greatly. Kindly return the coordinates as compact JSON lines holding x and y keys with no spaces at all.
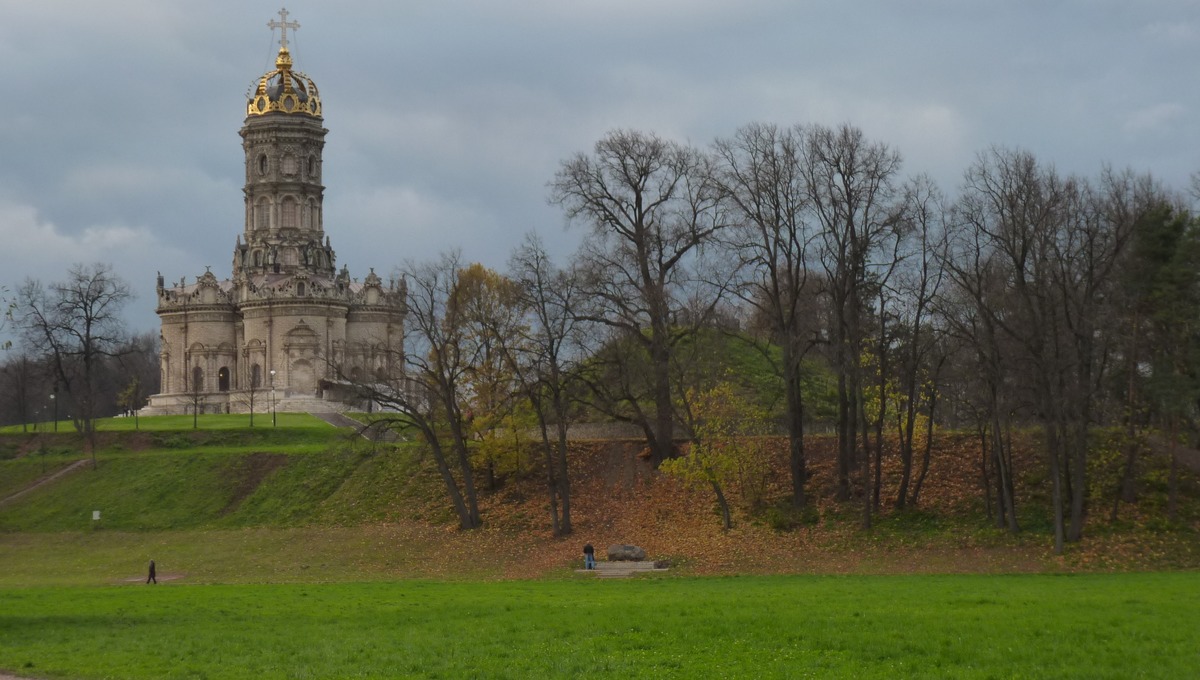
{"x":447,"y":119}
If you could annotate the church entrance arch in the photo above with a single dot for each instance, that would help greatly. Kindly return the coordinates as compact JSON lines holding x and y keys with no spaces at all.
{"x":303,"y":377}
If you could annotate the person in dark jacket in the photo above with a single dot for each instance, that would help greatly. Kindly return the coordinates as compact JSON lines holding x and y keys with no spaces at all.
{"x":151,"y":577}
{"x":589,"y":557}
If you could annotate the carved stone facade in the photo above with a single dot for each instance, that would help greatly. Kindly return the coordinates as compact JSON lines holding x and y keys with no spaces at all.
{"x":287,"y":322}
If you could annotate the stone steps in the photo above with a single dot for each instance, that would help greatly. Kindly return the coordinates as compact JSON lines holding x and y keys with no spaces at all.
{"x":621,"y":569}
{"x":305,"y":404}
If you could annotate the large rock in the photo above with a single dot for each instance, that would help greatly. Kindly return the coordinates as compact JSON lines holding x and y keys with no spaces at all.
{"x":625,"y":553}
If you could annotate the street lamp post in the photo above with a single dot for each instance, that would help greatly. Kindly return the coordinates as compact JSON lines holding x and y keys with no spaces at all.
{"x":274,"y":423}
{"x":54,"y":403}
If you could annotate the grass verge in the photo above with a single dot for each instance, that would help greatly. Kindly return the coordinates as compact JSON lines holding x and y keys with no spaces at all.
{"x":1087,"y":626}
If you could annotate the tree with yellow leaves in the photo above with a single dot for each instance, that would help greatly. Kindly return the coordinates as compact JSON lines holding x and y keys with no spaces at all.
{"x":728,"y":449}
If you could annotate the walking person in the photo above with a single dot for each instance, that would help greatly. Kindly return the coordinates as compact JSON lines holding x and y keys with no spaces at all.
{"x":152,"y":578}
{"x":589,"y":557}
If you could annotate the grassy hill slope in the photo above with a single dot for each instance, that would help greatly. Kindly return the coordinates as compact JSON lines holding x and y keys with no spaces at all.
{"x":308,"y":502}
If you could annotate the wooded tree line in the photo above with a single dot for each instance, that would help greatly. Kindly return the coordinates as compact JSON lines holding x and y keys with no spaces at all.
{"x":75,"y":358}
{"x":780,"y":278}
{"x":1031,"y":298}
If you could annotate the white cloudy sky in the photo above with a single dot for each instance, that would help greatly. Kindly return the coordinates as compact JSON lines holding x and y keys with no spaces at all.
{"x":118,"y":137}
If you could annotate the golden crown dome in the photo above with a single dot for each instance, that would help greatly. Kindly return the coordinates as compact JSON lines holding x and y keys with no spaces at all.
{"x":284,"y":91}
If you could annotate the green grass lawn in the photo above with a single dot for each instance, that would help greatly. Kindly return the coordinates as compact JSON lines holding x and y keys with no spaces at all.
{"x":204,"y":487}
{"x":184,"y":422}
{"x":1085,"y":626}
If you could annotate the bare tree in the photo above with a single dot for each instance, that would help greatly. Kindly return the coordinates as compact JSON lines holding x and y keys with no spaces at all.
{"x":760,"y":170}
{"x":23,"y":388}
{"x":851,"y":184}
{"x":196,"y":400}
{"x":918,"y":286}
{"x":77,"y":323}
{"x":967,"y":310}
{"x":7,"y":307}
{"x":652,"y":206}
{"x":248,"y":398}
{"x":139,"y":363}
{"x":545,"y":362}
{"x":426,"y":387}
{"x":1052,"y":245}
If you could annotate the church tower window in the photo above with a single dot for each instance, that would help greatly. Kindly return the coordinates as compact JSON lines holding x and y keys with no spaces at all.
{"x":289,"y":213}
{"x":262,"y":213}
{"x":289,"y":165}
{"x":263,"y":164}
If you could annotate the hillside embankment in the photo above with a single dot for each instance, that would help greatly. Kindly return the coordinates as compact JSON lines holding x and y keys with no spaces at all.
{"x":312,"y":505}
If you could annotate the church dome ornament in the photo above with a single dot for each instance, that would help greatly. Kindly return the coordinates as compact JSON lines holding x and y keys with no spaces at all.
{"x":284,"y":90}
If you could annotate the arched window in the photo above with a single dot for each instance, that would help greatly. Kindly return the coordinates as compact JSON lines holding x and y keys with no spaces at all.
{"x":300,"y":289}
{"x":223,"y":379}
{"x":289,"y":165}
{"x":288,"y":213}
{"x":263,"y":164}
{"x":262,"y":213}
{"x":197,"y":379}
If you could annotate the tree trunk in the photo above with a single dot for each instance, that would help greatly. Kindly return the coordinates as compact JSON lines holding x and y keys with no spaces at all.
{"x":456,"y":497}
{"x":663,"y":446}
{"x":1126,"y":490}
{"x":474,"y":521}
{"x":847,"y":434}
{"x":1079,"y":481}
{"x":1002,"y":452}
{"x":795,"y":426}
{"x":1056,"y":487}
{"x":985,"y":475}
{"x":928,"y":452}
{"x":727,"y":522}
{"x":907,"y":421}
{"x":867,"y":499}
{"x":551,"y":469}
{"x":1173,"y":480}
{"x":564,"y":479}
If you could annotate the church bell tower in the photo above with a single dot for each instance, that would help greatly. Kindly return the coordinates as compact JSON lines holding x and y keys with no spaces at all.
{"x":282,"y":137}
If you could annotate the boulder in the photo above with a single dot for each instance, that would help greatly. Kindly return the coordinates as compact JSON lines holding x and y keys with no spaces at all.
{"x":625,"y":553}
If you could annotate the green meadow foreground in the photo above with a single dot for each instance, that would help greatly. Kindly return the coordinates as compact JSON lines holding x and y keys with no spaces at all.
{"x":303,"y":551}
{"x":1025,"y":626}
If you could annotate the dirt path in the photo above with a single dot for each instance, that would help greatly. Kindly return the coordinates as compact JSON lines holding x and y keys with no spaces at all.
{"x":42,"y":482}
{"x":375,"y":434}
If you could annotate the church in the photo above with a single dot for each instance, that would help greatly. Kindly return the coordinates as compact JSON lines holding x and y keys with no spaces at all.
{"x":288,"y":327}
